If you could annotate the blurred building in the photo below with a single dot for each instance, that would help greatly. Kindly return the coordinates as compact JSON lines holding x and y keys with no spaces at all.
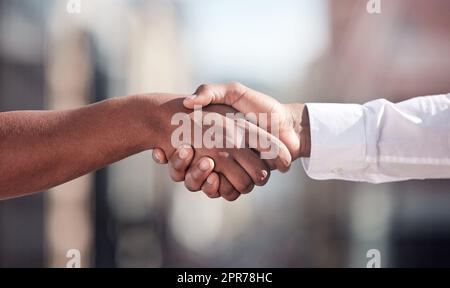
{"x":22,"y":86}
{"x":398,"y":54}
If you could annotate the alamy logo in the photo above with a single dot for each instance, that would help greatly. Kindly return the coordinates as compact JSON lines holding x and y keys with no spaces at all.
{"x":74,"y":256}
{"x":374,"y":257}
{"x":374,"y":7}
{"x":74,"y":7}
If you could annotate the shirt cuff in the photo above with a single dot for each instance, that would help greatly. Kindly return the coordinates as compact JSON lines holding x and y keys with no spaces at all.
{"x":338,"y":141}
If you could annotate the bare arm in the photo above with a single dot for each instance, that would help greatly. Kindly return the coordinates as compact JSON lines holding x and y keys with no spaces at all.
{"x":42,"y":149}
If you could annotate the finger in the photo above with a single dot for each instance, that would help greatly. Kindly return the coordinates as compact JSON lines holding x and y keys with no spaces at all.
{"x":159,"y":156}
{"x":179,"y":162}
{"x":257,"y":169}
{"x":233,"y":94}
{"x":234,"y":173}
{"x":227,"y":190}
{"x":213,"y":94}
{"x":211,"y":186}
{"x":270,"y":148}
{"x":198,"y":173}
{"x":245,"y":101}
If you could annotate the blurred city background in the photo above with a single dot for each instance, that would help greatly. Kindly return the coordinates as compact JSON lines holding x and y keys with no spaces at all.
{"x":131,"y":215}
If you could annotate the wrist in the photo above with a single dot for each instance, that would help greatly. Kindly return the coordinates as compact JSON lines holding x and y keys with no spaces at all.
{"x":300,"y":124}
{"x":143,"y":117}
{"x":154,"y":112}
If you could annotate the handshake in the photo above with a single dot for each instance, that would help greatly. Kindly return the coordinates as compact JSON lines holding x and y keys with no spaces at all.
{"x":223,"y":140}
{"x":230,"y":140}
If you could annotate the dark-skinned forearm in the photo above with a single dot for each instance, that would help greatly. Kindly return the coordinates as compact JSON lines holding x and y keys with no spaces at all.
{"x":42,"y":149}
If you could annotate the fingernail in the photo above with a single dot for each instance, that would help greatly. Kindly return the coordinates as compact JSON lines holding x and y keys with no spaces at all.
{"x":205,"y":165}
{"x":210,"y":180}
{"x":183,"y":154}
{"x":156,"y":157}
{"x":263,"y":175}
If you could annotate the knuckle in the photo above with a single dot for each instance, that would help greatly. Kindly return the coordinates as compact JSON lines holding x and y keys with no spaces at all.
{"x":248,"y":189}
{"x":244,"y":185}
{"x":176,"y":175}
{"x":272,"y":165}
{"x":178,"y":165}
{"x":191,"y":185}
{"x":232,"y":197}
{"x":177,"y":178}
{"x":197,"y":178}
{"x":211,"y":194}
{"x":236,"y":86}
{"x":226,"y":191}
{"x":190,"y":188}
{"x":224,"y":156}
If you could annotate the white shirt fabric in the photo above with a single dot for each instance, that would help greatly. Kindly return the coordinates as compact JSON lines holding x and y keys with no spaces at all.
{"x":380,"y":141}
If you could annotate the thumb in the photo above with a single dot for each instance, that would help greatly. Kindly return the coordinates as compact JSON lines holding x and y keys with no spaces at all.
{"x":206,"y":94}
{"x":236,"y":95}
{"x":201,"y":100}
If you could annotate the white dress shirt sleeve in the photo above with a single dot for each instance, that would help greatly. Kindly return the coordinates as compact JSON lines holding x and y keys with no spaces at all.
{"x":380,"y":141}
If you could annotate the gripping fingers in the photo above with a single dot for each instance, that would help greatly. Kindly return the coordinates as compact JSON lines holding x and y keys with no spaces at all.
{"x":235,"y":174}
{"x":179,"y":163}
{"x":227,"y":190}
{"x":276,"y":154}
{"x":257,"y":169}
{"x":211,"y":186}
{"x":198,"y":174}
